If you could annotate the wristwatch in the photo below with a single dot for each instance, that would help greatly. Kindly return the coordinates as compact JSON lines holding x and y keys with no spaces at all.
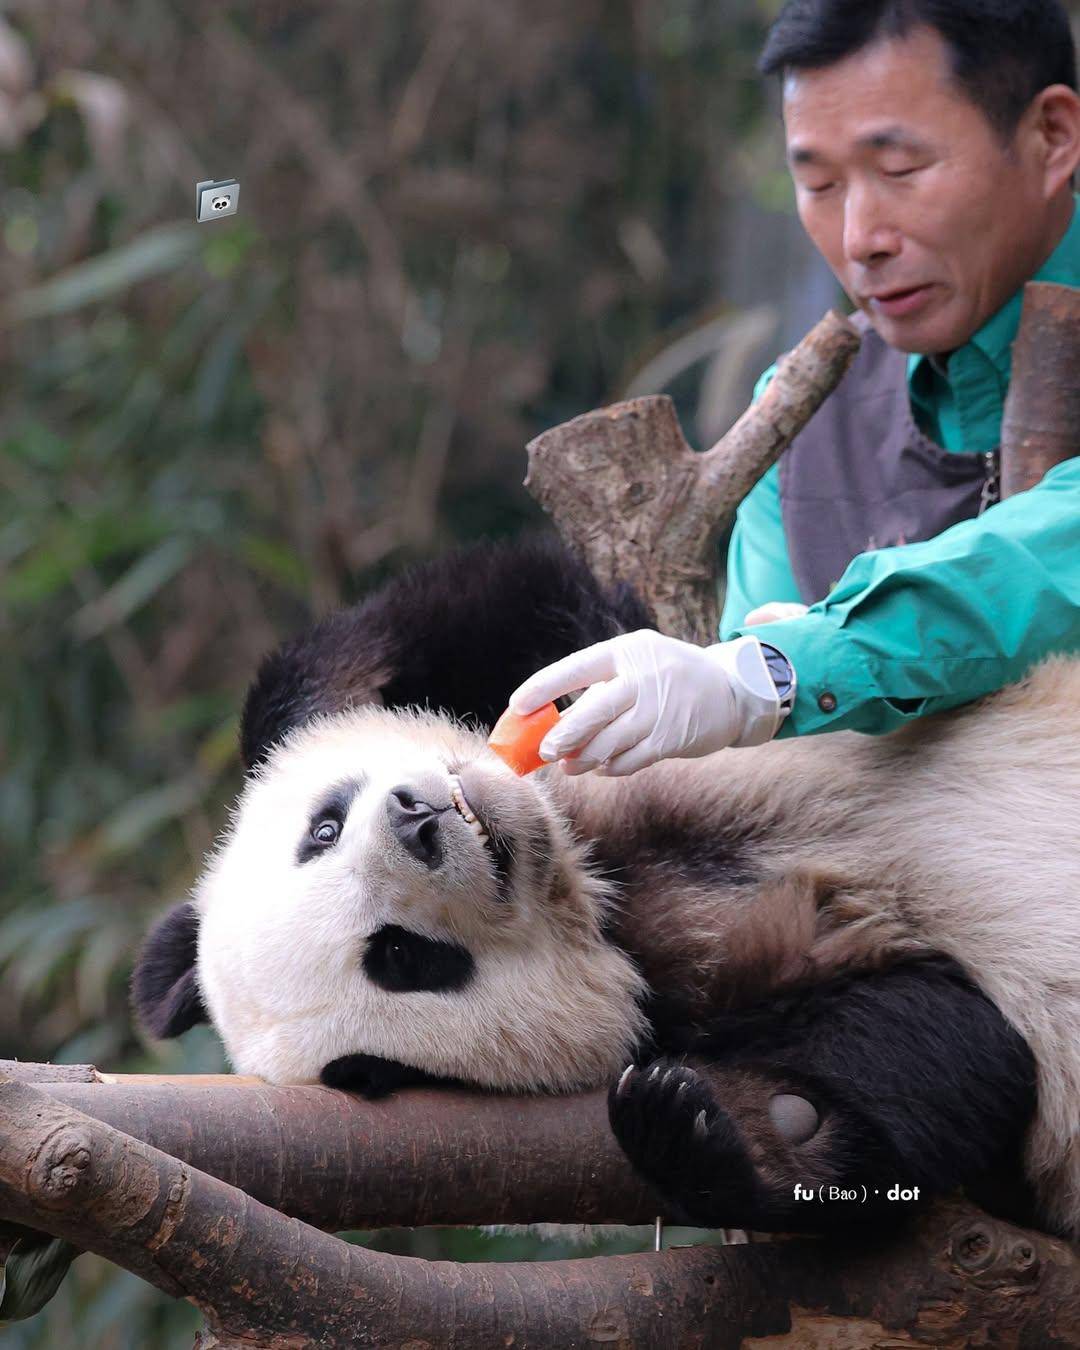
{"x":783,"y":677}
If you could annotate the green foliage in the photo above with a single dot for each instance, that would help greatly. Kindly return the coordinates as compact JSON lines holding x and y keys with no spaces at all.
{"x":459,"y":224}
{"x":34,"y":1270}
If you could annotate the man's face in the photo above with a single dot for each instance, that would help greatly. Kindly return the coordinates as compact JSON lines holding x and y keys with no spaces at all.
{"x":928,"y":219}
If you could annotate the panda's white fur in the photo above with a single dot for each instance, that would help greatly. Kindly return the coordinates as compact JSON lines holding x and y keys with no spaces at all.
{"x":552,"y":1005}
{"x":958,"y":834}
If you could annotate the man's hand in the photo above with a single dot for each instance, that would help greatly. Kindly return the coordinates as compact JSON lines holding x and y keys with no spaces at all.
{"x":775,"y":609}
{"x":653,"y":697}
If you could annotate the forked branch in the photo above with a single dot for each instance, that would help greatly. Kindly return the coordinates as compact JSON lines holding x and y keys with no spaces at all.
{"x":632,"y":499}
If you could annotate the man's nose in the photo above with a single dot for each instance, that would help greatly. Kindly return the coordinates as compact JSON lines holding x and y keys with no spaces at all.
{"x":869,"y":234}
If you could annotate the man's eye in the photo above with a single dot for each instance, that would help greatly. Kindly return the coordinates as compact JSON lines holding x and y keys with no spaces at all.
{"x":326,"y":831}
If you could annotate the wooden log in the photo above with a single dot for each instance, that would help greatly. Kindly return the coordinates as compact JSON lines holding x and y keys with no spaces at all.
{"x":631,"y":498}
{"x":337,"y":1161}
{"x":264,"y":1280}
{"x":26,"y":1071}
{"x":1041,"y":423}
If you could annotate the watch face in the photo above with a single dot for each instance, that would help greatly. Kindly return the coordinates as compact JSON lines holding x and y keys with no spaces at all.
{"x":781,"y":670}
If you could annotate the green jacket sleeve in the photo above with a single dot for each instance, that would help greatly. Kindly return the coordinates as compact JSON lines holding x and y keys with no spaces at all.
{"x":924,"y":627}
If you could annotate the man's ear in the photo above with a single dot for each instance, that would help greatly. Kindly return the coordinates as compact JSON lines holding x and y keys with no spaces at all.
{"x":163,"y":987}
{"x":1057,"y":110}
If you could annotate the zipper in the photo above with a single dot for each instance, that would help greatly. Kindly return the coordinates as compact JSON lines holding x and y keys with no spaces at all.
{"x":991,"y":490}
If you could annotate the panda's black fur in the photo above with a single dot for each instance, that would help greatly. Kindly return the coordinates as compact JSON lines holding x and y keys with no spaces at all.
{"x":459,"y":635}
{"x":912,"y":1075}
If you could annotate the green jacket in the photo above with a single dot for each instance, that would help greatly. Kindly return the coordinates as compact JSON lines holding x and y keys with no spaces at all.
{"x":923,"y":627}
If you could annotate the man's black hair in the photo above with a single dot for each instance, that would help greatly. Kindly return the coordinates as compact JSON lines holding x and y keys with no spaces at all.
{"x":1004,"y":52}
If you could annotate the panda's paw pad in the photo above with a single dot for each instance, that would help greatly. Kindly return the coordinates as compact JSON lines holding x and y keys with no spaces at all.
{"x":664,"y":1115}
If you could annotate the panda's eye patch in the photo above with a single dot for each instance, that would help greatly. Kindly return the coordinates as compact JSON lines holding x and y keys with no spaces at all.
{"x":328,"y":820}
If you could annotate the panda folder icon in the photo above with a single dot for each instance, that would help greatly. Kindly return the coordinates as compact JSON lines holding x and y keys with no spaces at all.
{"x":214,"y":199}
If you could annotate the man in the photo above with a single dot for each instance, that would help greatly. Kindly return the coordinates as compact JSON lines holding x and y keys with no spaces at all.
{"x":933,"y":145}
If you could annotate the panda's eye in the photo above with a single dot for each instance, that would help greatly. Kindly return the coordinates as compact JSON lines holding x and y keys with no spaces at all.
{"x":326,"y":831}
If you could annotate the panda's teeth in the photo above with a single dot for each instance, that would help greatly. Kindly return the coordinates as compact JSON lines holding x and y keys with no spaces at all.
{"x":458,"y":798}
{"x":462,"y":808}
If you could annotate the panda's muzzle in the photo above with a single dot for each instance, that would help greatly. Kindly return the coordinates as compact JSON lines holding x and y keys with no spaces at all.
{"x":463,"y":793}
{"x":417,"y":826}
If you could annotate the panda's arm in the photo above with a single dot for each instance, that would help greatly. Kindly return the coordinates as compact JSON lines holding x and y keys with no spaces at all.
{"x":373,"y":1077}
{"x":906,"y":1078}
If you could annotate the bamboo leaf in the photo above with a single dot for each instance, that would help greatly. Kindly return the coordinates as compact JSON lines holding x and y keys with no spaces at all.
{"x":276,"y":561}
{"x":100,"y":958}
{"x":138,"y":819}
{"x":216,"y":372}
{"x":161,"y":249}
{"x":43,"y":915}
{"x":33,"y":1272}
{"x":139,"y":584}
{"x":219,"y":749}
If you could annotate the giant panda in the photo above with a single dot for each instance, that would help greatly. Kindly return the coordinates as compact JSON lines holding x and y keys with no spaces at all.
{"x":839,"y":961}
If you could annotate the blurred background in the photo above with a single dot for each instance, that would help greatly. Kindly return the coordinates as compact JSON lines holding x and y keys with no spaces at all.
{"x":459,"y":224}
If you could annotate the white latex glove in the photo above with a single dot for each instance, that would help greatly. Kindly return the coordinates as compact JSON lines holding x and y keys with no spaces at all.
{"x":775,"y":609}
{"x":653,"y":697}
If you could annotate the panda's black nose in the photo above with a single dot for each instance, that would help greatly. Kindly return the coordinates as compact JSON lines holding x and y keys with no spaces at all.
{"x":415,"y":825}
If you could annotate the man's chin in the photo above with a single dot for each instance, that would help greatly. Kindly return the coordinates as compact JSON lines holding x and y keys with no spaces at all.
{"x":932,"y":332}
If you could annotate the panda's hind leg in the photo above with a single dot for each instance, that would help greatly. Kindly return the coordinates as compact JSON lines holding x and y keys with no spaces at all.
{"x":804,"y":1113}
{"x":727,"y":1147}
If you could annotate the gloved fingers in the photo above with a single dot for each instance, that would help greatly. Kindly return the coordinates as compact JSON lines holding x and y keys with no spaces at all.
{"x":639,"y":756}
{"x":775,"y":609}
{"x":564,"y":676}
{"x":618,"y":736}
{"x":597,"y":706}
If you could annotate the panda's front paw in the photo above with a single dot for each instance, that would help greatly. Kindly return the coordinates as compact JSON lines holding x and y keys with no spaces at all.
{"x":373,"y":1077}
{"x":681,"y":1140}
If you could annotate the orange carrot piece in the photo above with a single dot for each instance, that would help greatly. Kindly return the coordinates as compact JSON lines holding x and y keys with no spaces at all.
{"x":516,"y":740}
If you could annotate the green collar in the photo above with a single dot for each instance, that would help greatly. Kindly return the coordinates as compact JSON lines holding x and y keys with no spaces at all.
{"x":962,"y":410}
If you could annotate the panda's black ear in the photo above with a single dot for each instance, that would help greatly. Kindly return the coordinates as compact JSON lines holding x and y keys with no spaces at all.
{"x":163,"y":987}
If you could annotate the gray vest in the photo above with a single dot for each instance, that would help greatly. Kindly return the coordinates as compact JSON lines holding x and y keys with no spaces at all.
{"x":862,"y":476}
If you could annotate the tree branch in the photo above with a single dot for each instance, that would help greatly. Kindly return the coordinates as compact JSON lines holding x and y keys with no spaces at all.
{"x":633,"y":500}
{"x":1041,"y":423}
{"x":264,"y":1280}
{"x":339,"y":1162}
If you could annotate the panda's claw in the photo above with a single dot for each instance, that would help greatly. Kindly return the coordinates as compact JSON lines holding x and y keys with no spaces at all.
{"x":680,"y":1138}
{"x":620,"y":1086}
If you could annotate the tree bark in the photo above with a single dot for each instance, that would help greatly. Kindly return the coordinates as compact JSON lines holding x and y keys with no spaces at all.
{"x":631,"y":498}
{"x":264,"y":1280}
{"x":339,"y":1162}
{"x":1041,"y":424}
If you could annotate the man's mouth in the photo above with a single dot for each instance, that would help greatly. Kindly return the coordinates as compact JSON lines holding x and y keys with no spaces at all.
{"x":898,"y":303}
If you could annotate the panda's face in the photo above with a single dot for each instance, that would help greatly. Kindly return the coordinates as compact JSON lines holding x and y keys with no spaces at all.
{"x":389,"y":887}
